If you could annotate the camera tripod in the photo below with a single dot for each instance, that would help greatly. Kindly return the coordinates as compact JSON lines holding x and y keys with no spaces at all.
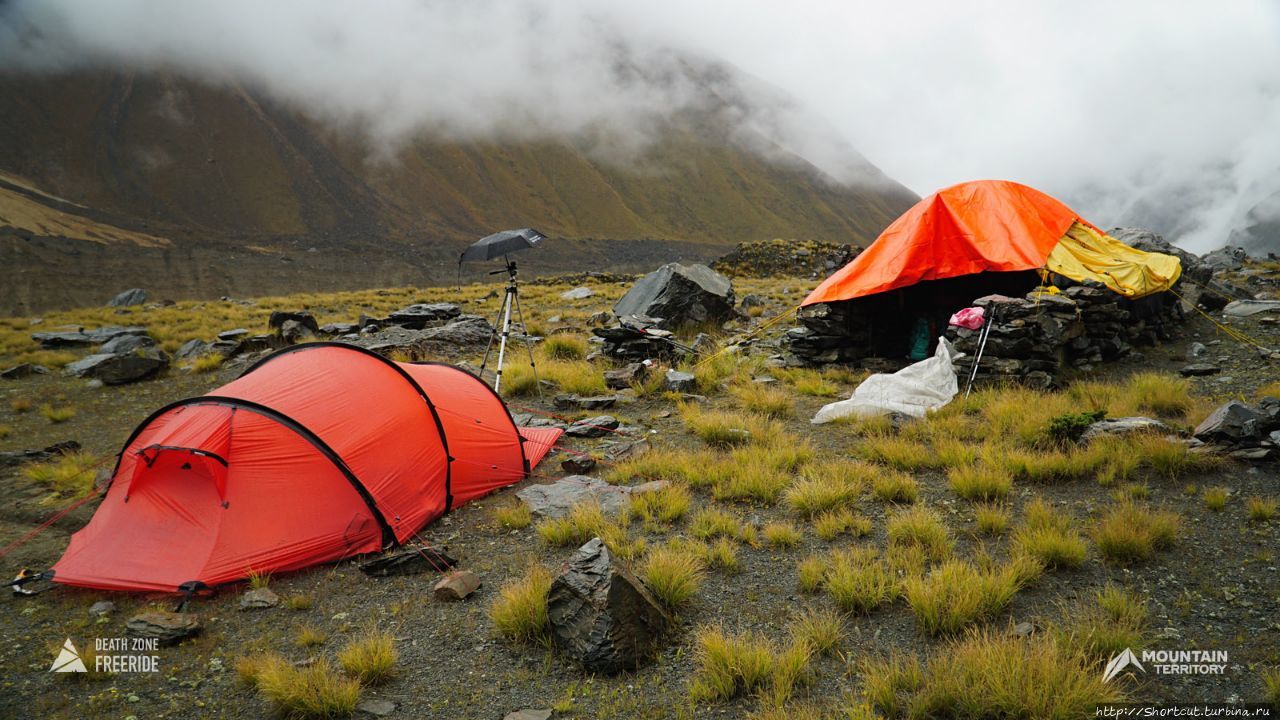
{"x":511,"y":299}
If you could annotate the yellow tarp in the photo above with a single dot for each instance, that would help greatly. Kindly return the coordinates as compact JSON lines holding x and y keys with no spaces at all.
{"x":1086,"y":254}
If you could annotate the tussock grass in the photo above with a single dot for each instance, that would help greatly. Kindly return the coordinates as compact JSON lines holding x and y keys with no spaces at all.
{"x":666,"y":505}
{"x":810,"y":573}
{"x":315,"y":691}
{"x":207,"y":363}
{"x":990,"y":675}
{"x":696,"y":469}
{"x":1114,"y":623}
{"x":872,"y":426}
{"x":69,"y":475}
{"x":808,"y":382}
{"x":751,"y":483}
{"x":48,"y":358}
{"x":859,"y":582}
{"x":1129,"y":532}
{"x":1270,"y":678}
{"x":565,"y":347}
{"x":673,"y":574}
{"x":310,"y":636}
{"x":722,"y":555}
{"x":710,"y":523}
{"x":1049,"y":536}
{"x":834,"y":523}
{"x":574,"y":376}
{"x":819,"y":629}
{"x":896,"y":487}
{"x":520,"y":611}
{"x":922,"y":528}
{"x":1261,"y":509}
{"x":828,"y":486}
{"x":583,"y":522}
{"x":723,"y":429}
{"x":956,"y":594}
{"x":20,"y":405}
{"x":515,"y":516}
{"x":900,"y":453}
{"x":782,"y":452}
{"x":991,"y":519}
{"x":299,"y":603}
{"x":709,"y":375}
{"x":1163,"y":394}
{"x":763,"y":399}
{"x":727,"y":666}
{"x":1271,"y":389}
{"x":5,"y":431}
{"x":781,"y":535}
{"x":57,"y":415}
{"x":979,"y":482}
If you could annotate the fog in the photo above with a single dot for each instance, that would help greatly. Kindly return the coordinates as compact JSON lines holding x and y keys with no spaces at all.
{"x":1164,"y":115}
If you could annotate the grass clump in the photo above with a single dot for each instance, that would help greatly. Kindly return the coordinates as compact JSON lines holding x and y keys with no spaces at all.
{"x":979,"y":482}
{"x":722,"y":555}
{"x":310,"y":636}
{"x":956,"y":594}
{"x":1129,"y":532}
{"x":695,"y":469}
{"x":207,"y":363}
{"x":1215,"y":498}
{"x":665,"y":505}
{"x":583,"y":522}
{"x":991,"y":519}
{"x":370,"y":658}
{"x":819,"y":629}
{"x":828,"y":486}
{"x":810,"y":573}
{"x":1159,"y":393}
{"x":1114,"y":623}
{"x":516,"y":516}
{"x":896,"y":487}
{"x":565,"y":347}
{"x":781,"y":535}
{"x":751,"y":483}
{"x":991,"y":675}
{"x":900,"y":453}
{"x":69,"y":474}
{"x":298,"y":603}
{"x":315,"y":691}
{"x":1050,"y":537}
{"x":673,"y":574}
{"x":763,"y":399}
{"x":831,"y":525}
{"x":1260,"y":509}
{"x":722,"y":429}
{"x":520,"y":611}
{"x":1271,"y":685}
{"x":20,"y":405}
{"x":729,"y":665}
{"x":710,"y":523}
{"x":859,"y":582}
{"x":922,"y":528}
{"x":57,"y":415}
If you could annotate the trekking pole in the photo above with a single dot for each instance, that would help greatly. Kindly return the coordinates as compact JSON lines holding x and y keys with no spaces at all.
{"x":982,"y":346}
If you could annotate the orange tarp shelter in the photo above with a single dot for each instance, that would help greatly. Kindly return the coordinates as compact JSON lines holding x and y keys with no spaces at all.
{"x":317,"y":453}
{"x":994,"y":226}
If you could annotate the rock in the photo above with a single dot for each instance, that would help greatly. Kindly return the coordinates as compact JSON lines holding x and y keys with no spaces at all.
{"x":528,"y":714}
{"x":236,"y":334}
{"x":1217,"y":294}
{"x":593,"y":427}
{"x":168,"y":628}
{"x":19,"y":457}
{"x":456,"y":585}
{"x":339,"y":328}
{"x":1225,"y":258}
{"x":578,"y":464}
{"x":84,"y":338}
{"x":680,"y":295}
{"x":421,"y":315}
{"x":679,"y":381}
{"x":125,"y":344}
{"x":1148,"y":241}
{"x":601,"y":615}
{"x":1231,"y":423}
{"x":119,"y":369}
{"x":1197,"y":350}
{"x":555,"y":500}
{"x":1023,"y":629}
{"x":377,"y":706}
{"x":413,"y":561}
{"x":1200,"y":369}
{"x":136,"y":296}
{"x":1246,"y":308}
{"x":1255,"y":454}
{"x":751,"y":301}
{"x":578,"y":293}
{"x":623,"y":377}
{"x":599,"y":319}
{"x":192,"y":349}
{"x":466,"y":331}
{"x":595,"y":402}
{"x":259,"y":599}
{"x":17,"y":372}
{"x":102,"y":608}
{"x":1123,"y":426}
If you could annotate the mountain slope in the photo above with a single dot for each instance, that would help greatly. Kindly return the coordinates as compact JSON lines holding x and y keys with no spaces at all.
{"x":220,"y":175}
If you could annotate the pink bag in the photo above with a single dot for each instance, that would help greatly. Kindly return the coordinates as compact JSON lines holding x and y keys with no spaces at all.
{"x":970,"y":317}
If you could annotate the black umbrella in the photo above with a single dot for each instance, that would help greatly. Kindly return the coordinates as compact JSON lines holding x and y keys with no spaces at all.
{"x":501,"y":244}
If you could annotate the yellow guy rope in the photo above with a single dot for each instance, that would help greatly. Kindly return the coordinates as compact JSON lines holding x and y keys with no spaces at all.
{"x":762,"y":327}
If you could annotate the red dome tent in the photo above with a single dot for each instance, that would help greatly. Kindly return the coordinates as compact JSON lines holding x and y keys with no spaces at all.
{"x":318,"y":452}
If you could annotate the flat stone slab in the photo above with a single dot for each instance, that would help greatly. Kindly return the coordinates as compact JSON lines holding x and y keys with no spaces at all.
{"x":1245,"y":308}
{"x":555,"y":500}
{"x":1124,"y":426}
{"x":456,"y":586}
{"x":168,"y":628}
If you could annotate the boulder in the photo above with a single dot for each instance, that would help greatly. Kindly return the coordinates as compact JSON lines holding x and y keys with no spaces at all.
{"x":456,"y":586}
{"x":84,"y":338}
{"x":679,"y":381}
{"x":1217,"y":294}
{"x":119,"y":369}
{"x":259,"y":599}
{"x":17,"y":372}
{"x":529,"y":714}
{"x":601,"y":615}
{"x":555,"y":500}
{"x":1246,"y":308}
{"x":1225,"y":258}
{"x":594,"y":402}
{"x":578,"y":464}
{"x":593,"y":427}
{"x":102,"y":608}
{"x":293,"y":326}
{"x":234,"y":335}
{"x":18,"y":457}
{"x":1232,"y":423}
{"x":168,"y":628}
{"x":1200,"y":370}
{"x":192,"y":349}
{"x":623,"y":377}
{"x":680,"y":295}
{"x":379,"y":707}
{"x":136,"y":296}
{"x":421,"y":315}
{"x":125,"y":344}
{"x":578,"y":293}
{"x":293,"y":332}
{"x":1124,"y":426}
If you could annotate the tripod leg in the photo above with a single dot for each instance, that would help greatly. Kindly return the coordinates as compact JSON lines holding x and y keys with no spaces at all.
{"x":524,"y":329}
{"x":506,"y":331}
{"x":497,"y":320}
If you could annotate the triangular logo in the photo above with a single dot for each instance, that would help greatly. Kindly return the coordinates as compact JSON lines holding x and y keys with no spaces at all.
{"x":1125,"y":659}
{"x":68,"y":659}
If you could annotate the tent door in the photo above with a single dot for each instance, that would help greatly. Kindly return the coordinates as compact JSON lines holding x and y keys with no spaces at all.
{"x":181,"y":465}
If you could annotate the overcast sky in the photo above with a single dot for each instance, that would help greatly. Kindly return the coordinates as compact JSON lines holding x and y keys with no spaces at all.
{"x":1160,"y":113}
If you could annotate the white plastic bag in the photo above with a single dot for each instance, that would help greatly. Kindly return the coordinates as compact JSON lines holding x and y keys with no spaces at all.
{"x":914,"y":390}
